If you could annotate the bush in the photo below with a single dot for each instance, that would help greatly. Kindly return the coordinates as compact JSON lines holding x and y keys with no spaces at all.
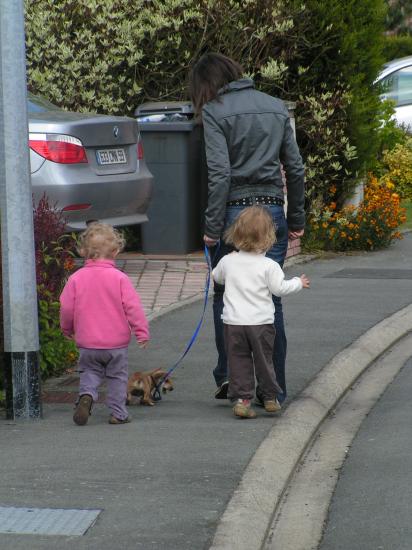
{"x":371,"y":226}
{"x":54,"y":249}
{"x":398,"y":16}
{"x":329,"y":153}
{"x":389,"y":133}
{"x":112,"y":56}
{"x":398,"y":164}
{"x":395,"y":47}
{"x":132,"y":236}
{"x":56,"y":351}
{"x":345,"y":53}
{"x":54,"y":262}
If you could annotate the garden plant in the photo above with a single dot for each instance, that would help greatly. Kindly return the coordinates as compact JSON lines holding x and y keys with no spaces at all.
{"x":324,"y":55}
{"x":371,"y":225}
{"x":55,"y":250}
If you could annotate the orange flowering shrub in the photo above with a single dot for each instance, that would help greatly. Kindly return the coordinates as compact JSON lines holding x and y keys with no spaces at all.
{"x":371,"y":225}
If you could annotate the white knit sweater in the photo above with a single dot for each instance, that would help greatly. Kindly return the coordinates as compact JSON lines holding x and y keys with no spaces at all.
{"x":250,"y":279}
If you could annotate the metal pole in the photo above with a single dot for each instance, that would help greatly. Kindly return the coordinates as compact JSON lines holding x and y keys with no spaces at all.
{"x":21,"y":339}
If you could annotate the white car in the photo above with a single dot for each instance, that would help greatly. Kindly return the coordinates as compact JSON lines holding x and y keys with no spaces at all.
{"x":396,"y":81}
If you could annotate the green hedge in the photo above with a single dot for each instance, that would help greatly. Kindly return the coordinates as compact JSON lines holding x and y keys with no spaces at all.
{"x":111,"y":55}
{"x":397,"y":46}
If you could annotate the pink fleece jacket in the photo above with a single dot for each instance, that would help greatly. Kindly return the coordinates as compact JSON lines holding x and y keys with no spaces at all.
{"x":100,"y":307}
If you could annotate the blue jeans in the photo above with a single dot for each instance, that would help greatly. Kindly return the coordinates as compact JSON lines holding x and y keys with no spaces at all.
{"x":277,"y":253}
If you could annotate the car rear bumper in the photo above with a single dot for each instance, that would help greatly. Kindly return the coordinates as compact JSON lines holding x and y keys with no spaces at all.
{"x":119,"y":200}
{"x":133,"y":219}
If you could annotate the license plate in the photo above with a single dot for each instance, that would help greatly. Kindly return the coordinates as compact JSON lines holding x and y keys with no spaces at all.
{"x":111,"y":156}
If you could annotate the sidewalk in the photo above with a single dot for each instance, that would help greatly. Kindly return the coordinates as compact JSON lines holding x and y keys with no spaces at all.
{"x":164,"y":281}
{"x":164,"y":481}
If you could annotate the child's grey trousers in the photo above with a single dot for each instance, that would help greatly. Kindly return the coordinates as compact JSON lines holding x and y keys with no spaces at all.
{"x":97,"y":365}
{"x":249,"y":350}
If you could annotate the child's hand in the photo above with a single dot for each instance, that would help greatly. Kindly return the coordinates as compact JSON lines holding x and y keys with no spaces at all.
{"x":143,"y":344}
{"x":305,"y":281}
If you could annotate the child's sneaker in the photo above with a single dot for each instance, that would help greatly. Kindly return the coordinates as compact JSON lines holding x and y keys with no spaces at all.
{"x":114,"y":420}
{"x":83,"y":409}
{"x":272,"y":406}
{"x":243,"y":409}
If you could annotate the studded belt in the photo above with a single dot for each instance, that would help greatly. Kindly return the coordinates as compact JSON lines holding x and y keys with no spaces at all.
{"x":251,"y":201}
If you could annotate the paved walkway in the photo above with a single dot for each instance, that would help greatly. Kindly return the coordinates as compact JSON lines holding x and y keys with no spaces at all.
{"x":163,"y":481}
{"x":165,"y":281}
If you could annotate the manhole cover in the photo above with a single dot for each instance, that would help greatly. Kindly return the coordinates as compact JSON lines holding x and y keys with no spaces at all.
{"x":46,"y":521}
{"x":368,"y":273}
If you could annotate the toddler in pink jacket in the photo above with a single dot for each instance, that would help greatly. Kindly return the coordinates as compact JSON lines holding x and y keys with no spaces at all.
{"x":99,"y":309}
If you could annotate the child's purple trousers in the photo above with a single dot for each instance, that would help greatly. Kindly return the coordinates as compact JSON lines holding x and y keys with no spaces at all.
{"x":97,"y":365}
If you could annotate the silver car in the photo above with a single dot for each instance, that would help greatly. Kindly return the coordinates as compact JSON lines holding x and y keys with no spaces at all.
{"x":91,"y":166}
{"x":396,"y":81}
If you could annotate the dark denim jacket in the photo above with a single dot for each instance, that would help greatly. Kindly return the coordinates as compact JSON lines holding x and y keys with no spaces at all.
{"x":248,"y":136}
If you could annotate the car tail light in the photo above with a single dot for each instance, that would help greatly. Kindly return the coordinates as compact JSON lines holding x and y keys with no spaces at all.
{"x":58,"y":148}
{"x":139,"y":150}
{"x":71,"y":207}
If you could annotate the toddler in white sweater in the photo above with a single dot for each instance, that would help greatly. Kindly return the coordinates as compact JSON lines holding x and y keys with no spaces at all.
{"x":250,"y":280}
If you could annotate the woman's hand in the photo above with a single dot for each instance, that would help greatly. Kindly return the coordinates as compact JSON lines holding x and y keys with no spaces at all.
{"x":209,"y":241}
{"x":296,"y":234}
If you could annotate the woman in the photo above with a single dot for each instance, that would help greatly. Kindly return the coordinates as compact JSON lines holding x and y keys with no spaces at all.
{"x":248,"y":140}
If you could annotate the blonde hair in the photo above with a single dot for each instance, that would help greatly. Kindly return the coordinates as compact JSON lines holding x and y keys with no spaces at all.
{"x":252,"y":231}
{"x":100,"y":240}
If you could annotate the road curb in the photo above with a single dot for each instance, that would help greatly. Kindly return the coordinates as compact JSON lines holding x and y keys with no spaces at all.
{"x":248,"y":516}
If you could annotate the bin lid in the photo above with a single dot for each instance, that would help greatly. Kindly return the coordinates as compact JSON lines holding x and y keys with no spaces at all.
{"x":184,"y":108}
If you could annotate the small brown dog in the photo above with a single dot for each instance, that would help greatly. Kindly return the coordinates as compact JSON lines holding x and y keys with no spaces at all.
{"x":143,"y":383}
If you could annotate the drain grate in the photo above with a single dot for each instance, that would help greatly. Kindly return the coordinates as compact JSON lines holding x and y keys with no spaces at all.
{"x":46,"y":521}
{"x":368,"y":273}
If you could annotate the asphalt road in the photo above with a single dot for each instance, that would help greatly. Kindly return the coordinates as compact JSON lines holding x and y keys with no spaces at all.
{"x":371,"y":507}
{"x":163,"y":481}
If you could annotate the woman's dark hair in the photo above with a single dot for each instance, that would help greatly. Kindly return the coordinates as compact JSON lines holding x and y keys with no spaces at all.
{"x":210,"y":73}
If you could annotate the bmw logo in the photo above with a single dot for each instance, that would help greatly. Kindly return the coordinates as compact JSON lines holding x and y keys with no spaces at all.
{"x":116,"y":131}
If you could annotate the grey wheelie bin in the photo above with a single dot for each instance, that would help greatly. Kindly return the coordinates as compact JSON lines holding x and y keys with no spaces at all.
{"x":173,"y":148}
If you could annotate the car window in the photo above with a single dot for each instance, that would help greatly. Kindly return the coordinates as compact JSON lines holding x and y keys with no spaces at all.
{"x":37,"y":104}
{"x":398,"y":86}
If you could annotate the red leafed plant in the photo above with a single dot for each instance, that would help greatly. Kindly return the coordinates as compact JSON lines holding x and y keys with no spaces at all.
{"x":55,"y":251}
{"x":54,"y":248}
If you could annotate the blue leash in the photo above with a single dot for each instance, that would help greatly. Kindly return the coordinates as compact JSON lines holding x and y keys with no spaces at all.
{"x":156,"y":392}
